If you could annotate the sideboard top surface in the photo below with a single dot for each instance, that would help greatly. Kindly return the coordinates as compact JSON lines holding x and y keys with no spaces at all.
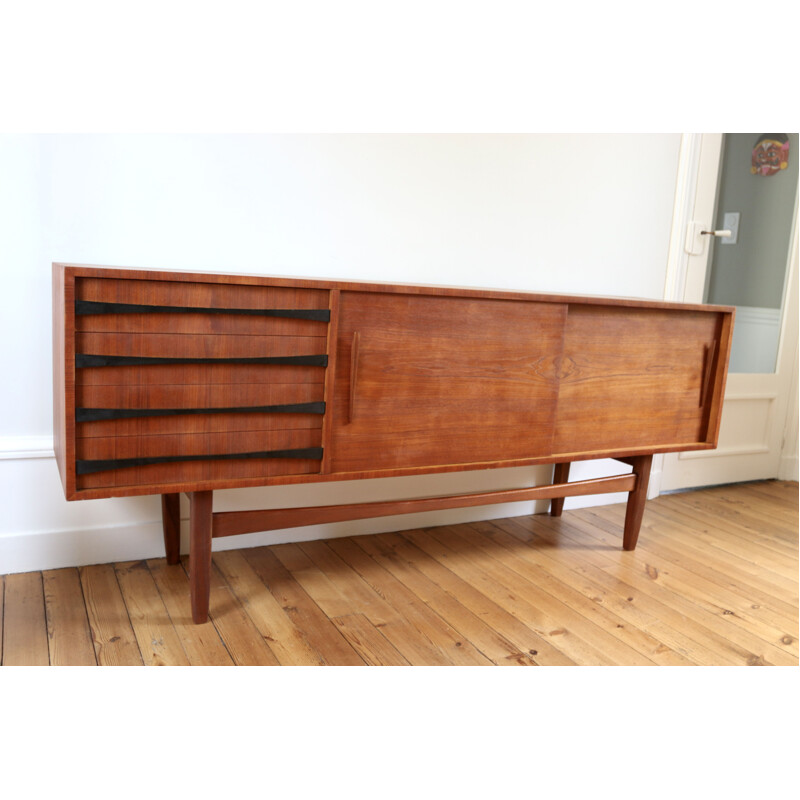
{"x":144,"y":273}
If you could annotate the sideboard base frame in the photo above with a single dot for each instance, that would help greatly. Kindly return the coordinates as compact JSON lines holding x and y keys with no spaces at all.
{"x":206,"y":525}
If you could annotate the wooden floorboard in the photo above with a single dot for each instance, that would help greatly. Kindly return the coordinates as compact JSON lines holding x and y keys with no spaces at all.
{"x":155,"y":634}
{"x":25,"y":625}
{"x":68,"y":633}
{"x":713,"y":581}
{"x":114,"y":641}
{"x":201,"y":644}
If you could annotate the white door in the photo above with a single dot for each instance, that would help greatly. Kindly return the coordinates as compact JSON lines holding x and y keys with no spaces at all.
{"x":737,"y":245}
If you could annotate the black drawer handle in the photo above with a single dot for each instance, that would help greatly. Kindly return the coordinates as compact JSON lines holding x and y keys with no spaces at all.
{"x":84,"y":467}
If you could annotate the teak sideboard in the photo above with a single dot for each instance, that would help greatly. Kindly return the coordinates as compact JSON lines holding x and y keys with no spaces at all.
{"x":170,"y":382}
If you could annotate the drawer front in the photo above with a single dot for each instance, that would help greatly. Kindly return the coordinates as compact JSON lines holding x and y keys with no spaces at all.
{"x":189,"y":382}
{"x":425,"y":381}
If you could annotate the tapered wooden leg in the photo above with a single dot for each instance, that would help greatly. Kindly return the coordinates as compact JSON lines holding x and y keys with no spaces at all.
{"x":636,"y":501}
{"x":560,"y":475}
{"x":171,"y":518}
{"x":200,"y":515}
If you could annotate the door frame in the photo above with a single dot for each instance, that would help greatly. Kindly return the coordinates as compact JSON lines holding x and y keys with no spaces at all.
{"x":686,"y":277}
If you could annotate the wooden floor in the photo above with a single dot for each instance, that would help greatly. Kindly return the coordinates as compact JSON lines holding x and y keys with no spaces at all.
{"x":713,"y":581}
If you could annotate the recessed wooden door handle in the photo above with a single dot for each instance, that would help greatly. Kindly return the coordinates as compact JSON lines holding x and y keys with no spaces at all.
{"x":710,"y":351}
{"x":353,"y":375}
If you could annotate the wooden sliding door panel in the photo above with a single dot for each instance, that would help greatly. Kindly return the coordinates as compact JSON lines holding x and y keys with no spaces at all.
{"x":425,"y":381}
{"x":636,"y":378}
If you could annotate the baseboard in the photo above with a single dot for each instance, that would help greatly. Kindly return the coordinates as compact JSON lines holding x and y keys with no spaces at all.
{"x":18,"y":448}
{"x":789,"y":469}
{"x":33,"y":551}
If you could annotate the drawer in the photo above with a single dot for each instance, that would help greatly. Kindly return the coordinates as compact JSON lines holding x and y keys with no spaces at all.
{"x":190,"y":296}
{"x":132,"y":410}
{"x":169,"y":459}
{"x":168,"y":372}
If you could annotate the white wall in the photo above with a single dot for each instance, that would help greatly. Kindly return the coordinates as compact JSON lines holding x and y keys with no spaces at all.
{"x":585,"y":214}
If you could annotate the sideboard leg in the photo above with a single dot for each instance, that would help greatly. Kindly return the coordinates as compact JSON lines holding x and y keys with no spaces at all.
{"x":171,"y":519}
{"x":560,"y":475}
{"x":636,"y":501}
{"x":200,"y":516}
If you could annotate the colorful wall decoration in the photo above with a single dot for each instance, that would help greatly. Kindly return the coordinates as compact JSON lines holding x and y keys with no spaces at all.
{"x":770,"y":154}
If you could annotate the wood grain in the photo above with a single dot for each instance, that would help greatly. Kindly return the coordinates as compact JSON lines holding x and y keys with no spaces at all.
{"x":528,"y":607}
{"x":340,"y":591}
{"x":567,"y":610}
{"x":636,"y":501}
{"x":526,"y":642}
{"x":158,"y":642}
{"x":113,"y":637}
{"x":230,"y":523}
{"x":201,"y":643}
{"x":555,"y":577}
{"x":657,"y":582}
{"x":737,"y":608}
{"x":211,"y":279}
{"x":196,"y":396}
{"x":244,"y":643}
{"x":173,"y":289}
{"x":200,"y":374}
{"x":25,"y":626}
{"x":758,"y":589}
{"x":171,"y":524}
{"x":633,"y":378}
{"x":455,"y":648}
{"x":285,"y":639}
{"x":321,"y":632}
{"x":368,"y":641}
{"x":153,"y":475}
{"x":496,"y":647}
{"x":200,"y":531}
{"x":69,"y":637}
{"x":330,"y":378}
{"x":443,"y":380}
{"x":560,"y":475}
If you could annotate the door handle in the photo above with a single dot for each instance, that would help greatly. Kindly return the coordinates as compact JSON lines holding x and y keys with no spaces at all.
{"x":725,"y":234}
{"x":353,"y":376}
{"x":695,"y":243}
{"x":709,"y":352}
